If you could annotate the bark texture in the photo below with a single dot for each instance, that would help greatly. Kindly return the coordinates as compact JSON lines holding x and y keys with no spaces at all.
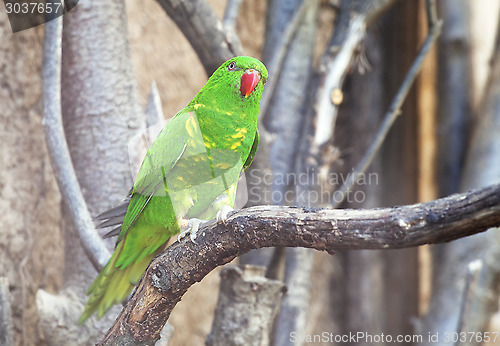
{"x":100,"y":114}
{"x":204,"y":30}
{"x":6,"y":330}
{"x":248,"y":303}
{"x":399,"y":165}
{"x":361,"y":297}
{"x":468,"y":304}
{"x":182,"y":264}
{"x":30,"y":232}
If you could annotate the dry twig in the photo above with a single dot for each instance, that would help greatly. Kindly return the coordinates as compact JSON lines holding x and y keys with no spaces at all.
{"x":354,"y":17}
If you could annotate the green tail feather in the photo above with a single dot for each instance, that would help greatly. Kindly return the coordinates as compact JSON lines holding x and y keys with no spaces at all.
{"x":113,"y":284}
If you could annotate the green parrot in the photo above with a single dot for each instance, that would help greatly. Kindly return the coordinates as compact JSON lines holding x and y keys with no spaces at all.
{"x":188,"y":175}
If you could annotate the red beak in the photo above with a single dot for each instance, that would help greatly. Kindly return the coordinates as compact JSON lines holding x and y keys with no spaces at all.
{"x":249,"y":81}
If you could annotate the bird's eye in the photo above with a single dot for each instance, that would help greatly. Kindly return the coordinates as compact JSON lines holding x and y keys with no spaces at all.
{"x":231,"y":66}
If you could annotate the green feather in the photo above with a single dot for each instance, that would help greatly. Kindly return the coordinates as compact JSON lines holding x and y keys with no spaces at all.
{"x":253,"y":151}
{"x":196,"y":159}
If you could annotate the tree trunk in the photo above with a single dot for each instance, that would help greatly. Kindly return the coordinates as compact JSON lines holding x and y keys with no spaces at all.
{"x":30,"y":235}
{"x":399,"y":173}
{"x":465,"y":285}
{"x":359,"y":117}
{"x":454,"y":88}
{"x":100,"y":114}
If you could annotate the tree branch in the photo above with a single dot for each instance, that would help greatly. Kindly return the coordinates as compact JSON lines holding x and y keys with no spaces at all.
{"x":451,"y":261}
{"x":6,"y":328}
{"x":275,"y":63}
{"x":92,"y":243}
{"x":247,"y":305}
{"x":231,"y":14}
{"x":185,"y":263}
{"x":290,"y":42}
{"x":353,"y":18}
{"x":394,"y":109}
{"x":204,"y":31}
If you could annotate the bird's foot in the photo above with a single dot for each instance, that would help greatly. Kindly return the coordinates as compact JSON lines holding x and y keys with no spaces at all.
{"x":223,"y":213}
{"x":190,"y":227}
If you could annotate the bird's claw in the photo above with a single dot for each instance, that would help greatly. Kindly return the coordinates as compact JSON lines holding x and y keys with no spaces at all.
{"x":223,"y":213}
{"x":190,"y":227}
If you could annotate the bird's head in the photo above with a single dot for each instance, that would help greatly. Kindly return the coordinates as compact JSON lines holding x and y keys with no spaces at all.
{"x":244,"y":73}
{"x":238,"y":82}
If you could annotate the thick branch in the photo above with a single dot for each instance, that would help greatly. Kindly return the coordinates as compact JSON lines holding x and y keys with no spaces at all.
{"x":392,"y":113}
{"x":204,"y":31}
{"x":275,"y":63}
{"x":354,"y":17}
{"x":469,"y":303}
{"x":6,"y":330}
{"x":231,"y":14}
{"x":58,"y":148}
{"x":247,"y":299}
{"x":185,"y":263}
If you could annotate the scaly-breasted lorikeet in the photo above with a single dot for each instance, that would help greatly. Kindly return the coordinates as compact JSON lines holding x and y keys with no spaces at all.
{"x":190,"y":172}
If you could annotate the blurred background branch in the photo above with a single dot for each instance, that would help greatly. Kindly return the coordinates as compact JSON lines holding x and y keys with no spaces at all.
{"x":394,"y":109}
{"x":64,"y":172}
{"x":213,"y":42}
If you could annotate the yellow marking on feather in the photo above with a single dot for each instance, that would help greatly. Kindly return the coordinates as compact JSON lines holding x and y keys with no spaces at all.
{"x":191,"y":126}
{"x":206,"y":140}
{"x":224,"y":165}
{"x":240,"y":132}
{"x":235,"y":145}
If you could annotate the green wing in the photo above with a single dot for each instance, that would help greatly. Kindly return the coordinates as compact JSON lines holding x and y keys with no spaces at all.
{"x":145,"y":231}
{"x":162,"y":156}
{"x":253,"y":151}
